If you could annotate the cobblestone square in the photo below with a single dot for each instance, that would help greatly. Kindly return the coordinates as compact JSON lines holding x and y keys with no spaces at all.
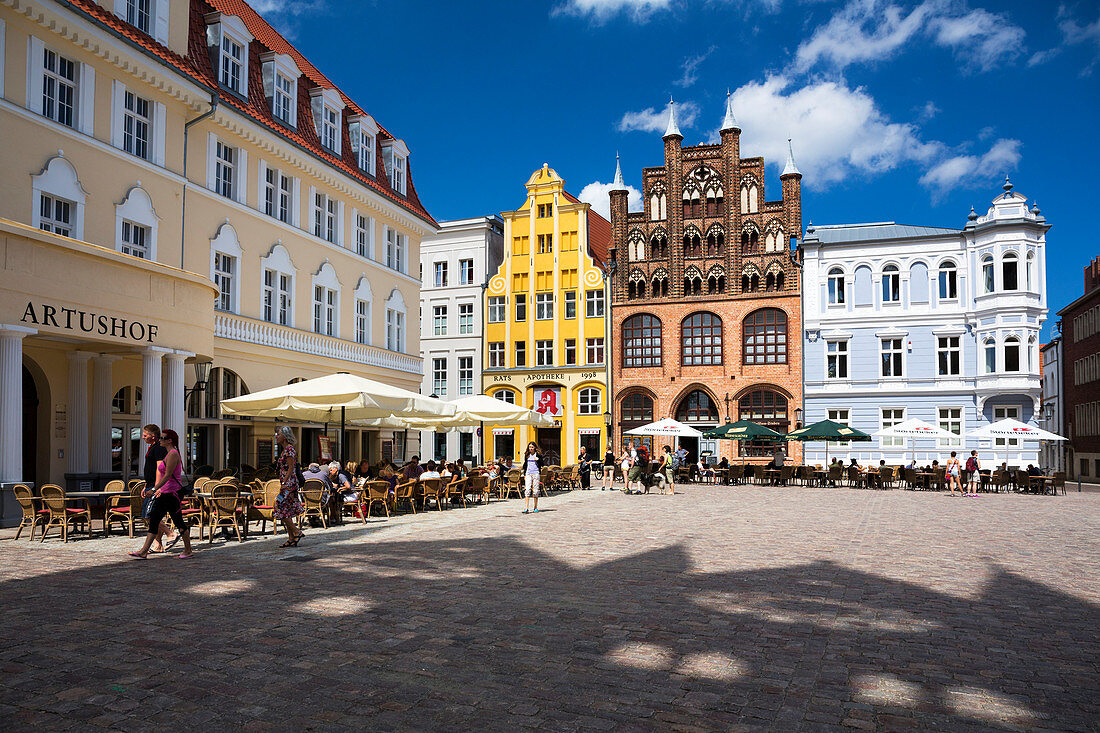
{"x":722,"y":608}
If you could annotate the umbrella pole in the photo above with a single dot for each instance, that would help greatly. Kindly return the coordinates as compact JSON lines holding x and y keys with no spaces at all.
{"x":342,"y":421}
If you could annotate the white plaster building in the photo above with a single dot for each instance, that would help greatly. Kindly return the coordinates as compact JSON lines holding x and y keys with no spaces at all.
{"x":1052,"y":455}
{"x":453,"y":267}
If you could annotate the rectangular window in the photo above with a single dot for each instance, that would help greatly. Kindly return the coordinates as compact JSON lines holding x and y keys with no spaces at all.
{"x":224,"y":267}
{"x":520,"y":245}
{"x":276,"y":297}
{"x":137,"y":14}
{"x":397,"y":174}
{"x":224,"y":170}
{"x":439,"y":320}
{"x":544,"y":306}
{"x":137,"y":121}
{"x":545,"y":211}
{"x":465,"y":318}
{"x":330,"y":127}
{"x":569,"y":278}
{"x":836,"y":360}
{"x":546,"y":243}
{"x":839,"y":416}
{"x":950,"y":419}
{"x":987,"y":275}
{"x":283,"y":102}
{"x":521,"y":353}
{"x":363,"y":233}
{"x":465,"y":375}
{"x":56,"y":215}
{"x":571,"y":304}
{"x":593,"y":304}
{"x":891,"y":285}
{"x":570,"y":352}
{"x":324,"y":310}
{"x":1004,"y":413}
{"x":496,"y":354}
{"x":395,"y":330}
{"x":498,"y":309}
{"x":58,"y":88}
{"x":892,"y":358}
{"x":441,"y":274}
{"x":948,"y":355}
{"x":362,"y":322}
{"x":593,"y":351}
{"x":232,"y":54}
{"x":521,"y":307}
{"x":836,"y":287}
{"x":395,"y":250}
{"x":544,"y":353}
{"x":324,"y":217}
{"x":439,"y":377}
{"x":135,"y":240}
{"x":277,"y":194}
{"x":990,"y":356}
{"x":366,"y":151}
{"x":891,"y":416}
{"x":949,"y":283}
{"x":465,"y":272}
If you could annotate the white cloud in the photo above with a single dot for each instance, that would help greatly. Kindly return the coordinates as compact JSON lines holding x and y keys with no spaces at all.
{"x":596,"y":194}
{"x":1073,"y":33}
{"x":691,"y":64}
{"x":928,"y":110}
{"x":656,"y":120}
{"x":962,"y":170}
{"x":601,"y":11}
{"x":837,"y":131}
{"x":284,"y":14}
{"x":874,"y":30}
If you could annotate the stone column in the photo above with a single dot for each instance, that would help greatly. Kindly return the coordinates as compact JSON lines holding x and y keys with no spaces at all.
{"x":174,"y":408}
{"x":78,"y":411}
{"x":151,"y":396}
{"x":103,"y":389}
{"x":11,"y":401}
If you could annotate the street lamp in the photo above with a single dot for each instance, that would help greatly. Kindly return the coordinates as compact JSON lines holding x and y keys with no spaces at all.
{"x":797,"y":418}
{"x":728,"y":408}
{"x":202,"y":376}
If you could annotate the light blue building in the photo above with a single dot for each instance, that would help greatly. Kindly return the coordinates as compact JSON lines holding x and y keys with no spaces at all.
{"x":920,"y":322}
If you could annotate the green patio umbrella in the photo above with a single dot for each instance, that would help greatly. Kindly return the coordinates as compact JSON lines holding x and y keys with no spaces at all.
{"x":743,"y":430}
{"x":828,"y":432}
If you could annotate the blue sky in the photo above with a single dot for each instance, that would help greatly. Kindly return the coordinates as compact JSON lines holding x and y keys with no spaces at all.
{"x":909,"y":111}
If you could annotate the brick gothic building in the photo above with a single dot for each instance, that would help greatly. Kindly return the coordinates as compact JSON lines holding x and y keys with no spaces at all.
{"x":1081,"y":378}
{"x":705,"y":295}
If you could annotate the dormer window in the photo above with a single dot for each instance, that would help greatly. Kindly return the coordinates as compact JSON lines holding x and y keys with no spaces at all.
{"x":327,"y":108}
{"x":148,"y":16}
{"x":363,"y":131}
{"x":228,"y":39}
{"x":137,"y":14}
{"x":280,"y":76}
{"x":395,"y":155}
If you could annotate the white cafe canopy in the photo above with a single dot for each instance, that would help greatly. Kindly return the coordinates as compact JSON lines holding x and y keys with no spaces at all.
{"x":470,"y":412}
{"x":914,"y":428}
{"x":669,"y":427}
{"x":1009,"y":428}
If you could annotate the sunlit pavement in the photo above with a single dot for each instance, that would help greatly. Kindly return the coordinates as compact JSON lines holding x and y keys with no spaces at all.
{"x":719,"y":608}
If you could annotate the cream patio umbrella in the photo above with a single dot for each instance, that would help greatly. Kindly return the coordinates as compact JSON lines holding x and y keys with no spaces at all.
{"x":1009,"y":429}
{"x":914,"y":428}
{"x":470,"y":412}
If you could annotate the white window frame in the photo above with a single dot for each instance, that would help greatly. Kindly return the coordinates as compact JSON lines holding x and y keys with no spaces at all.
{"x":989,"y":275}
{"x":155,"y":120}
{"x":951,"y":348}
{"x":466,"y":271}
{"x":48,"y":218}
{"x":60,"y":97}
{"x":276,"y":68}
{"x":989,"y":348}
{"x":497,"y":357}
{"x":279,"y":263}
{"x":594,"y":350}
{"x":465,"y":375}
{"x":439,"y":320}
{"x":396,"y":249}
{"x":395,"y":156}
{"x":364,"y":234}
{"x":589,"y":401}
{"x":395,"y":322}
{"x":498,"y":308}
{"x":219,"y":28}
{"x":465,"y":319}
{"x":520,"y":348}
{"x":842,"y":416}
{"x":570,"y":349}
{"x":363,"y":133}
{"x":326,"y":308}
{"x":233,"y":64}
{"x":283,"y":98}
{"x":891,"y":350}
{"x":569,"y":309}
{"x":59,"y":180}
{"x":226,"y":244}
{"x":508,"y":396}
{"x":840,"y":355}
{"x":945,"y":424}
{"x":278,"y":194}
{"x":158,"y":17}
{"x":835,"y":287}
{"x":439,"y":376}
{"x":1013,"y":257}
{"x":326,"y":215}
{"x":520,"y":302}
{"x":328,"y":117}
{"x":891,"y":284}
{"x":1019,"y":343}
{"x":439,"y":274}
{"x":947,"y":280}
{"x":137,"y":210}
{"x":1002,"y":412}
{"x":594,"y":304}
{"x":885,"y":421}
{"x":544,"y":306}
{"x":364,"y":306}
{"x":544,"y":352}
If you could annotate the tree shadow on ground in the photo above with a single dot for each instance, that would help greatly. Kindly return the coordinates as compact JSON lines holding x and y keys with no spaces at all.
{"x":495,"y":634}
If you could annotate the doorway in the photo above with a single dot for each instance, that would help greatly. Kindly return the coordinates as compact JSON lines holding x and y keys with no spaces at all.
{"x":30,"y":428}
{"x":549,"y":442}
{"x":126,"y":453}
{"x":504,"y":445}
{"x":591,"y":443}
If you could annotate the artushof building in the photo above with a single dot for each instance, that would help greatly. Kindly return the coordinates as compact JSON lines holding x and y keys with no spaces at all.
{"x":932,"y":323}
{"x":181,"y":186}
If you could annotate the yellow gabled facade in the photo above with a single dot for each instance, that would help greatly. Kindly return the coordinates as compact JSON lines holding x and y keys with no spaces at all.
{"x":545,"y":330}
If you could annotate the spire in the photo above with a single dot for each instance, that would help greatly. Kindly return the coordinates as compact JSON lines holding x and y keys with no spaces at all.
{"x":673,"y":129}
{"x":730,"y":122}
{"x":790,"y":169}
{"x":1008,"y":188}
{"x":619,"y":184}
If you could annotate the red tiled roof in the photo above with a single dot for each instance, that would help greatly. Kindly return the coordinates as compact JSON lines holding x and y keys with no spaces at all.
{"x":198,"y":68}
{"x":599,"y":231}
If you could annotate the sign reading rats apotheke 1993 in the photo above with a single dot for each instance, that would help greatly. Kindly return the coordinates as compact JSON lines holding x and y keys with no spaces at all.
{"x":74,"y":319}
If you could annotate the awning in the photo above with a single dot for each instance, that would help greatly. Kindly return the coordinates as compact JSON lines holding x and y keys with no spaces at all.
{"x":588,"y":431}
{"x":503,"y":431}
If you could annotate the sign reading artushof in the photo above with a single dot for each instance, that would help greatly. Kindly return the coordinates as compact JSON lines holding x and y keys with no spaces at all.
{"x":74,"y":319}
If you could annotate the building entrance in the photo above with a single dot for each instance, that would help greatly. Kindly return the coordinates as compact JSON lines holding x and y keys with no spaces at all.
{"x":30,"y":427}
{"x":549,"y":441}
{"x":126,"y":452}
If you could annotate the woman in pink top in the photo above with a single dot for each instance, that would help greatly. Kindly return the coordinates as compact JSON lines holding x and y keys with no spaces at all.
{"x":166,"y":498}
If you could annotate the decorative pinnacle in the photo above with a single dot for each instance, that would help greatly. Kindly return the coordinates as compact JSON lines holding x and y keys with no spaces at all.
{"x":972,"y":216}
{"x":673,"y":129}
{"x":1008,"y":187}
{"x":619,"y":184}
{"x":790,"y":169}
{"x":730,"y":121}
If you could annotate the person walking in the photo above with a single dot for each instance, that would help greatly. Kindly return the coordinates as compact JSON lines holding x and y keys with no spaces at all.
{"x":288,"y":506}
{"x":973,"y":474}
{"x":584,"y":467}
{"x":665,"y":467}
{"x":954,"y":471}
{"x":624,"y":465}
{"x":608,"y":469}
{"x":532,"y":468}
{"x":153,"y":455}
{"x":166,"y":498}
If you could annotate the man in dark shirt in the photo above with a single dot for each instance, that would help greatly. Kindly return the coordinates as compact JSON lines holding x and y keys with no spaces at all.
{"x":412,"y":469}
{"x":154,"y":453}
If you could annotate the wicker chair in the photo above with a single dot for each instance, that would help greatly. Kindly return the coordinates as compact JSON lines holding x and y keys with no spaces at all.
{"x":885,"y":477}
{"x":432,"y":488}
{"x":61,"y":514}
{"x":375,"y":492}
{"x":479,"y":486}
{"x":408,"y":492}
{"x":32,"y":516}
{"x":1059,"y":482}
{"x":312,"y":499}
{"x":225,"y":508}
{"x":514,"y":485}
{"x":456,"y":490}
{"x":125,"y":510}
{"x":262,"y":509}
{"x":836,"y":473}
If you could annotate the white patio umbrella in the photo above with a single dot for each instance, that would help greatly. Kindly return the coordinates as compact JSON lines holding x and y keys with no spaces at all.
{"x":472,"y":411}
{"x":913,"y":429}
{"x":668,"y":427}
{"x":1010,"y":428}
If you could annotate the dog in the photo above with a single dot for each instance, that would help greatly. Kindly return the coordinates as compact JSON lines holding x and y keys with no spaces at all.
{"x":655,"y":481}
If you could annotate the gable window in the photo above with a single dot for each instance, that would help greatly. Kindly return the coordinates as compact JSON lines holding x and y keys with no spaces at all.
{"x":56,"y":215}
{"x":439,"y":320}
{"x":948,"y":355}
{"x":544,"y":352}
{"x":498,"y":309}
{"x":137,"y":14}
{"x":330,"y":127}
{"x":324,"y":310}
{"x":836,"y":286}
{"x":496,"y":354}
{"x":276,"y":302}
{"x":362,"y":132}
{"x":282,"y":103}
{"x":397,"y":174}
{"x":544,"y":306}
{"x":836,"y":359}
{"x":1009,"y":272}
{"x":278,"y":190}
{"x":465,"y":318}
{"x":439,"y":377}
{"x":987,"y":273}
{"x":136,"y":123}
{"x":395,"y":157}
{"x":545,"y":211}
{"x":701,"y":340}
{"x":765,"y":337}
{"x":59,"y":88}
{"x":641,"y":341}
{"x":891,"y":284}
{"x":232,"y":62}
{"x":466,"y":272}
{"x":949,"y":281}
{"x":135,"y":240}
{"x":892,"y":357}
{"x":225,"y":267}
{"x":593,"y":304}
{"x":395,"y":250}
{"x":465,"y":375}
{"x":225,"y":170}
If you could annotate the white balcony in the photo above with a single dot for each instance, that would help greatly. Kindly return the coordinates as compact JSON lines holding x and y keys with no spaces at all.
{"x":262,"y":333}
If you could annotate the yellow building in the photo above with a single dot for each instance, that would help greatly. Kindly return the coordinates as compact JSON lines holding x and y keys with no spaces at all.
{"x":545,"y":323}
{"x":181,"y":186}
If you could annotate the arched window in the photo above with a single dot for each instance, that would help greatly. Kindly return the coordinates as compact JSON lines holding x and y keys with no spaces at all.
{"x":660,"y":284}
{"x":891,"y":284}
{"x":750,"y":239}
{"x":768,"y":408}
{"x":701,"y":340}
{"x":750,"y":280}
{"x":779,"y":278}
{"x":127,"y":401}
{"x":1012,"y":354}
{"x":588,"y":401}
{"x":714,"y":201}
{"x":658,"y":246}
{"x":1009,"y":272}
{"x":716,"y":280}
{"x":1029,"y":270}
{"x":765,"y":337}
{"x":773,"y":237}
{"x":697,"y":407}
{"x":769,"y":281}
{"x":990,"y":348}
{"x":693,"y":282}
{"x":223,"y":384}
{"x":635,"y":410}
{"x":693,"y":205}
{"x":716,"y":240}
{"x":642,"y":341}
{"x":693,"y":243}
{"x":987,"y":273}
{"x":657,"y":203}
{"x":505,"y":395}
{"x":949,"y":281}
{"x":635,"y":246}
{"x":836,"y":286}
{"x":635,"y":287}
